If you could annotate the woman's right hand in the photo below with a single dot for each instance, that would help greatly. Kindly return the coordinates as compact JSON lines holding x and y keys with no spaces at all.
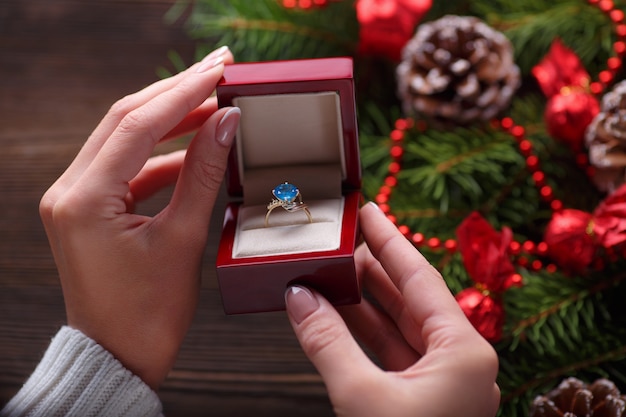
{"x":434,"y":363}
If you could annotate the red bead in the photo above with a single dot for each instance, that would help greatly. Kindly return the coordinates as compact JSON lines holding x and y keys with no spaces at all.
{"x":619,"y":47}
{"x":393,"y":219}
{"x":289,"y":4}
{"x":556,"y":205}
{"x":526,"y":147}
{"x":620,"y":30}
{"x":385,"y":208}
{"x":506,"y":123}
{"x":384,"y":190}
{"x":518,"y":132}
{"x":536,"y":265}
{"x":391,"y":181}
{"x":516,"y":279}
{"x":595,"y":87}
{"x":582,"y":160}
{"x":617,"y":16}
{"x":614,"y":63}
{"x":605,"y":76}
{"x":320,"y":2}
{"x":401,"y":124}
{"x":450,"y":245}
{"x":434,"y":243}
{"x":305,"y":4}
{"x":394,"y":168}
{"x":381,"y":199}
{"x":396,"y":151}
{"x":606,"y":5}
{"x":528,"y":246}
{"x":539,"y":177}
{"x":551,"y":268}
{"x":542,"y":248}
{"x":404,"y":229}
{"x":546,"y":192}
{"x":522,"y":261}
{"x":515,"y":248}
{"x":532,"y":162}
{"x":593,"y":2}
{"x":418,"y":239}
{"x":396,"y":135}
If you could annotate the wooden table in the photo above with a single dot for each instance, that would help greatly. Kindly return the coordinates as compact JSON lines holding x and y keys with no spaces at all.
{"x":62,"y":64}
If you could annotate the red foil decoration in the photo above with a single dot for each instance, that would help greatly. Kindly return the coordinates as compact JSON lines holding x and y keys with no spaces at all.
{"x":609,"y":219}
{"x":570,"y":107}
{"x":486,"y":259}
{"x":484,"y":312}
{"x":569,"y":236}
{"x":387,"y":25}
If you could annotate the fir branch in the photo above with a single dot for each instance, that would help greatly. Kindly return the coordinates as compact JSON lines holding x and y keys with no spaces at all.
{"x":264,"y":30}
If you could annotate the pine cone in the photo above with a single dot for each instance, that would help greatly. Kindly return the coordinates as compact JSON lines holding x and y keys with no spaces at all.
{"x":606,"y":139}
{"x":457,"y":70}
{"x":574,"y":398}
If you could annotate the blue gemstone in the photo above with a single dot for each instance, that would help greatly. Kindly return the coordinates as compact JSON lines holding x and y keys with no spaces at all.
{"x":286,"y":192}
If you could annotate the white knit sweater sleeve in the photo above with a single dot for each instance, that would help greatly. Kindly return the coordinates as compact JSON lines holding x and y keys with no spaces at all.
{"x":78,"y":377}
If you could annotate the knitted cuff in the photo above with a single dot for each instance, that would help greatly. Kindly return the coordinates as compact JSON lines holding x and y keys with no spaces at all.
{"x":78,"y":377}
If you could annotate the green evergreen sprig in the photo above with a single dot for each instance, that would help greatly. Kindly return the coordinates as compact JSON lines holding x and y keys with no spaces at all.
{"x":265,"y":30}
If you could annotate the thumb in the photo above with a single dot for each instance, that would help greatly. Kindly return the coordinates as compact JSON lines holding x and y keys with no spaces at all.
{"x":325,"y":338}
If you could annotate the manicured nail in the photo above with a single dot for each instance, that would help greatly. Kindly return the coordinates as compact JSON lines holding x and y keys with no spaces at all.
{"x":216,"y":53}
{"x":301,"y":302}
{"x":210,"y":63}
{"x":373,"y":204}
{"x":226,"y":128}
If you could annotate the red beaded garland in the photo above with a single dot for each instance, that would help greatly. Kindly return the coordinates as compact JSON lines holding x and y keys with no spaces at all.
{"x":525,"y":146}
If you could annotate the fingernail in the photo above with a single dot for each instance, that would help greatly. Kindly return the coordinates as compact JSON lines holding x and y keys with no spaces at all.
{"x":218,"y":52}
{"x":373,"y":204}
{"x":210,"y":63}
{"x":301,"y":303}
{"x":226,"y":128}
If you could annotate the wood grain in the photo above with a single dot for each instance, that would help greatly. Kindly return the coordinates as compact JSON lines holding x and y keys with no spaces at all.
{"x":62,"y":64}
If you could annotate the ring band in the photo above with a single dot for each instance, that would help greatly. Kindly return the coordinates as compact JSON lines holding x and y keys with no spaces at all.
{"x":286,"y":195}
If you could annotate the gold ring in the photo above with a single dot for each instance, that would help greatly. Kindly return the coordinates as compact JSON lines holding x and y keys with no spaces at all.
{"x":286,"y":195}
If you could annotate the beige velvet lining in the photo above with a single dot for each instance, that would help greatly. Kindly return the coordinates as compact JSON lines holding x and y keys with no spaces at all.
{"x":288,"y":233}
{"x":295,"y":138}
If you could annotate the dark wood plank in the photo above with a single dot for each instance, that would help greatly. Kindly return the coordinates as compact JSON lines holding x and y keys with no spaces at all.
{"x":63,"y":63}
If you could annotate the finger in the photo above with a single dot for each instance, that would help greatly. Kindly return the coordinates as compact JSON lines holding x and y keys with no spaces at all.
{"x":202,"y":173}
{"x":427,"y":299}
{"x":122,"y":107}
{"x":123,"y":155}
{"x":159,"y":172}
{"x":380,"y":334}
{"x":193,"y":120}
{"x":375,"y":280}
{"x":325,"y":339}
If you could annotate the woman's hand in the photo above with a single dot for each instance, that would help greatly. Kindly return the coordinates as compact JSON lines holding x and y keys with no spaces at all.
{"x":131,"y":282}
{"x":434,"y":362}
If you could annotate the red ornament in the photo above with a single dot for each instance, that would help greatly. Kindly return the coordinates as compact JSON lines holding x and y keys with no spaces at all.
{"x":387,"y":25}
{"x":571,"y":106}
{"x":568,"y":114}
{"x":609,"y":219}
{"x":484,"y":312}
{"x":570,"y":241}
{"x":486,"y":259}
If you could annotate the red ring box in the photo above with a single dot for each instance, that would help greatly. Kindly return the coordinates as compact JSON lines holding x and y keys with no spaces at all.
{"x":298,"y":125}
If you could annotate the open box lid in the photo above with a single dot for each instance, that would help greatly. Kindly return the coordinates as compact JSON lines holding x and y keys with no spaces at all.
{"x":311,"y":101}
